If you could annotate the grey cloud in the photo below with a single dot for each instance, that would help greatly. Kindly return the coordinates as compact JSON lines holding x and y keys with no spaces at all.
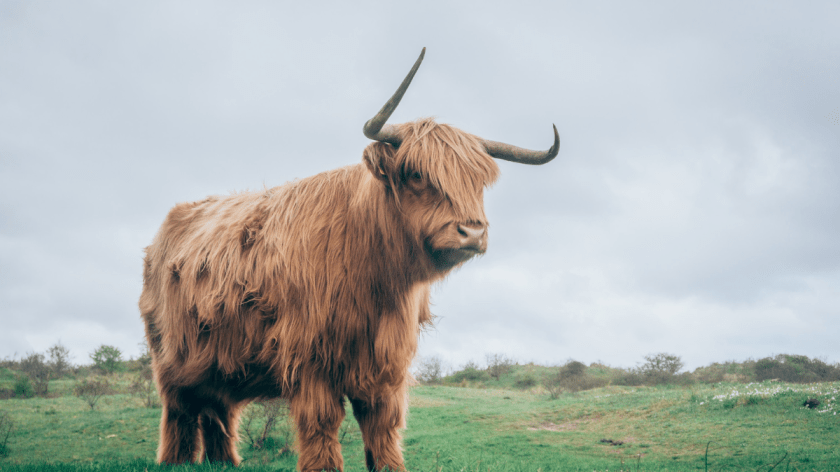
{"x":695,"y":196}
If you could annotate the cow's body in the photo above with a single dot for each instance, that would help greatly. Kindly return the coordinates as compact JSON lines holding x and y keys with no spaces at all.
{"x":314,"y":291}
{"x":252,"y":295}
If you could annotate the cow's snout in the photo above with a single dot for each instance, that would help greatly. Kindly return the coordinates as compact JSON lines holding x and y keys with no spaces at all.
{"x":473,"y":237}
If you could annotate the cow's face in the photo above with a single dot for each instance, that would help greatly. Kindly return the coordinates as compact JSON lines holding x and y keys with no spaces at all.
{"x":437,"y":179}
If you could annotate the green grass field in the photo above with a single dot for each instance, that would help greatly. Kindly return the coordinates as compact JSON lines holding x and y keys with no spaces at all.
{"x":746,"y":427}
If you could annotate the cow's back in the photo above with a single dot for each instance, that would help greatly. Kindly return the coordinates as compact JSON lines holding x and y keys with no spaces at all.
{"x":227,"y":276}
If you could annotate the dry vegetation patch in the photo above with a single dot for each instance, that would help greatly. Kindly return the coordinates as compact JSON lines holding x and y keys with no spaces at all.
{"x":415,"y":401}
{"x":549,"y":426}
{"x":569,"y":425}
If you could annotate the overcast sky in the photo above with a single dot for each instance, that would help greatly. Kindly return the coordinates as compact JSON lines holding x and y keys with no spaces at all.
{"x":694,"y":207}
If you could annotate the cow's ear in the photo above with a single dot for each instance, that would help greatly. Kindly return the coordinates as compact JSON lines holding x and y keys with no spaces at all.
{"x":378,"y":159}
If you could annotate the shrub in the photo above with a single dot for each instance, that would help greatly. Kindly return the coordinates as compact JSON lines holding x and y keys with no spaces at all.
{"x":572,"y":377}
{"x":430,"y":370}
{"x":38,"y":371}
{"x":573,"y":368}
{"x":142,"y":361}
{"x":23,"y":387}
{"x":469,"y":372}
{"x":261,"y":418}
{"x":82,"y":371}
{"x":91,"y":390}
{"x":729,"y":371}
{"x":660,"y":368}
{"x":106,"y":359}
{"x":143,"y":385}
{"x":499,"y":365}
{"x":629,"y":377}
{"x":768,"y":369}
{"x":825,"y":372}
{"x":554,"y":386}
{"x":525,"y":379}
{"x":59,"y":362}
{"x":793,"y":368}
{"x":9,"y":363}
{"x":684,"y":379}
{"x":713,"y":373}
{"x":6,"y":427}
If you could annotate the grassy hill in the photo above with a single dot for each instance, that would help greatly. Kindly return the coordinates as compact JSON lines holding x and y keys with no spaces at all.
{"x":496,"y":428}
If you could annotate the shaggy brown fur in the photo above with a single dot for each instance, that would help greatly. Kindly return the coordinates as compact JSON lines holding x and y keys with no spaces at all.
{"x":312,"y":291}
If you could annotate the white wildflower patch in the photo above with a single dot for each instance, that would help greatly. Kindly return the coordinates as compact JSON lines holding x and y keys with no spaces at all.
{"x":824,"y":392}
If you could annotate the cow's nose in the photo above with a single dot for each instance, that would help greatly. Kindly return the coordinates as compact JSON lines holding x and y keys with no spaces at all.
{"x":472,"y":237}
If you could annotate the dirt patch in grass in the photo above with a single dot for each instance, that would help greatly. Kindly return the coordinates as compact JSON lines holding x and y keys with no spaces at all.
{"x":422,"y":402}
{"x":572,"y":425}
{"x":568,"y":426}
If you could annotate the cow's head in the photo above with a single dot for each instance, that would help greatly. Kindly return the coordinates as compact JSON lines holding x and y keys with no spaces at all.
{"x":436,"y":174}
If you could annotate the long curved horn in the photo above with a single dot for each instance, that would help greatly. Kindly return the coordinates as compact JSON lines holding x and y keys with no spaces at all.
{"x":512,"y":153}
{"x":375,"y":128}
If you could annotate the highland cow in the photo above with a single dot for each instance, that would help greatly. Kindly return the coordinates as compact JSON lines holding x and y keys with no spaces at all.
{"x":314,"y":291}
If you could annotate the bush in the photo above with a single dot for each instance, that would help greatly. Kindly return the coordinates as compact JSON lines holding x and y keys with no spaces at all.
{"x":768,"y":369}
{"x":499,"y":365}
{"x":59,"y":362}
{"x":629,"y":377}
{"x":430,"y":370}
{"x":142,"y":361}
{"x":9,"y":363}
{"x":143,"y":385}
{"x":6,"y":427}
{"x":23,"y":387}
{"x":713,"y":373}
{"x":660,"y":368}
{"x":797,"y":369}
{"x":38,"y":372}
{"x":572,"y":377}
{"x":106,"y":359}
{"x":91,"y":390}
{"x":729,"y":371}
{"x":573,"y":368}
{"x":470,"y":372}
{"x":684,"y":379}
{"x":825,"y":372}
{"x":262,"y":418}
{"x":82,"y":371}
{"x":554,"y":386}
{"x":525,"y":379}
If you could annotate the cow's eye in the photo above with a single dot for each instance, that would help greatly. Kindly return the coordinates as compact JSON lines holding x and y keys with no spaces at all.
{"x":416,"y":176}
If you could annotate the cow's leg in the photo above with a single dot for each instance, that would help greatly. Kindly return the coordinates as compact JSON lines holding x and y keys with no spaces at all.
{"x":381,"y":422}
{"x":219,"y":431}
{"x":179,"y":436}
{"x":318,"y":412}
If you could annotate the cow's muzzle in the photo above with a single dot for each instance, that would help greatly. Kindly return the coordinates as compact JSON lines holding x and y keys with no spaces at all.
{"x":473,"y":238}
{"x":467,"y":241}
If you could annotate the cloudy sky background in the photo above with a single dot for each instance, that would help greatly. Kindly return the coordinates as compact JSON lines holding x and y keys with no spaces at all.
{"x":694,"y":207}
